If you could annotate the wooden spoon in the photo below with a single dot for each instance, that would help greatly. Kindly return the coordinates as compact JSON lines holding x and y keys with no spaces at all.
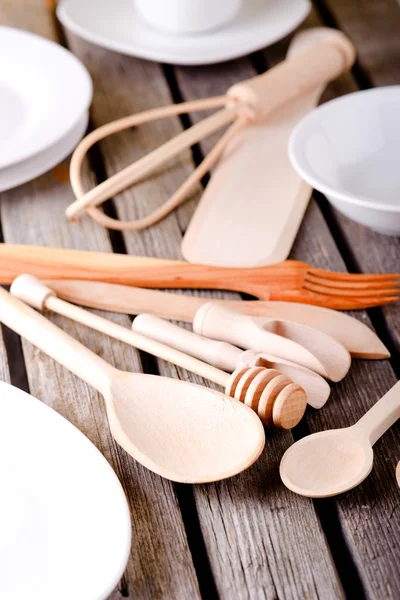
{"x":398,"y":473}
{"x":276,"y":399}
{"x":331,"y":462}
{"x":179,"y":430}
{"x":296,"y":343}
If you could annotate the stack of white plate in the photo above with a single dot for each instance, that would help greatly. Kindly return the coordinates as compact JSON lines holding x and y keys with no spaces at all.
{"x":45,"y":94}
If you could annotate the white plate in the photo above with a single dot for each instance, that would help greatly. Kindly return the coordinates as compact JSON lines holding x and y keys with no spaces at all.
{"x":27,"y":170}
{"x":44,"y":90}
{"x":116,"y":26}
{"x":348,"y":149}
{"x":64,"y":520}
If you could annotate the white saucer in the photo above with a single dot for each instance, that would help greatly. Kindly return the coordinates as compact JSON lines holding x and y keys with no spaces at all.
{"x":116,"y":26}
{"x":44,"y":90}
{"x":64,"y":520}
{"x":30,"y":168}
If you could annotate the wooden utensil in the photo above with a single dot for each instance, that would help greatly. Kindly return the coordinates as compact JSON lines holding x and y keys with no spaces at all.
{"x":331,"y":462}
{"x":254,"y":212}
{"x":227,"y":357}
{"x":276,"y":399}
{"x":300,"y":344}
{"x":245,"y":103}
{"x":398,"y":473}
{"x":181,"y":431}
{"x":291,"y":280}
{"x":359,"y":339}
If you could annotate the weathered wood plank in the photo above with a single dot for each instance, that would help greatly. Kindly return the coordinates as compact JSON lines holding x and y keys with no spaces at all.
{"x":258,"y":545}
{"x":160,"y":564}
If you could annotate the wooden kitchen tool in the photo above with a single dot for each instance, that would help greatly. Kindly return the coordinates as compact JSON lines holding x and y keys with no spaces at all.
{"x":318,"y":60}
{"x":398,"y":473}
{"x":276,"y":399}
{"x":331,"y":462}
{"x":181,"y":431}
{"x":267,"y":204}
{"x":227,"y":357}
{"x":300,"y":344}
{"x":291,"y":280}
{"x":357,"y":337}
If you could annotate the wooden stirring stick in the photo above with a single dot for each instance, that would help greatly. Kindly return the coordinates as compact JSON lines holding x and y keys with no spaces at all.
{"x":227,"y":357}
{"x":331,"y":462}
{"x":181,"y":431}
{"x":276,"y":399}
{"x":297,"y":343}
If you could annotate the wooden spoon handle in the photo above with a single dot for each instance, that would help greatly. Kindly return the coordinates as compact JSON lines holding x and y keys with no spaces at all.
{"x":35,"y":293}
{"x":53,"y":341}
{"x":219,"y":354}
{"x":381,"y":416}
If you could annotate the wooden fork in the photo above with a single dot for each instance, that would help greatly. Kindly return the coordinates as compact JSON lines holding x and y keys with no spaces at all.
{"x":291,"y":280}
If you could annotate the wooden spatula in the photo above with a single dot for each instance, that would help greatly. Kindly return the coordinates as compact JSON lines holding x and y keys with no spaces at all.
{"x":181,"y":431}
{"x":297,"y":343}
{"x":254,"y":193}
{"x":359,"y":339}
{"x":331,"y":462}
{"x":228,"y":357}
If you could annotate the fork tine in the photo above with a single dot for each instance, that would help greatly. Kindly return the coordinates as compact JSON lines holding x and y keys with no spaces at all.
{"x":353,"y":277}
{"x":355,"y":293}
{"x":354,"y":285}
{"x":346,"y":302}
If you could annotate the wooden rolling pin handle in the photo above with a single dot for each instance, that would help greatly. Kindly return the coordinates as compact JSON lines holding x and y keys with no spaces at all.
{"x":330,"y":55}
{"x":219,"y":354}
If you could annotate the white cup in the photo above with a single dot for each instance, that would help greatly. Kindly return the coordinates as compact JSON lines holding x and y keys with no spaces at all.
{"x":187,"y":16}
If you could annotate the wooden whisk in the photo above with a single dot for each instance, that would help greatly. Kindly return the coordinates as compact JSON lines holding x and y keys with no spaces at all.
{"x":321,"y":55}
{"x":277,"y":400}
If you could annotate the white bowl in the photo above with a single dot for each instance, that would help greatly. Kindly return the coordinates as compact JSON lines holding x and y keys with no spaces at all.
{"x":348,"y":149}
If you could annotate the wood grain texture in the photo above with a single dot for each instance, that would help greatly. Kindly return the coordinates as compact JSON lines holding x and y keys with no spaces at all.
{"x":160,"y":564}
{"x":247,"y":541}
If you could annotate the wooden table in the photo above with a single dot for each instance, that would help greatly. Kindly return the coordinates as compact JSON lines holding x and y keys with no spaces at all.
{"x":248,"y":537}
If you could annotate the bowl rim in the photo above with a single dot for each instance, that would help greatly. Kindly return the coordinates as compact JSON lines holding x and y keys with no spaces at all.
{"x":298,"y":163}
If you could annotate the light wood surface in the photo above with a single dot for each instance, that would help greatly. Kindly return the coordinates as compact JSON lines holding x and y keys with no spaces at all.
{"x":228,"y":357}
{"x":359,"y":339}
{"x":299,"y":344}
{"x":249,"y":536}
{"x":331,"y":462}
{"x":290,"y":280}
{"x":180,"y":431}
{"x":291,"y":399}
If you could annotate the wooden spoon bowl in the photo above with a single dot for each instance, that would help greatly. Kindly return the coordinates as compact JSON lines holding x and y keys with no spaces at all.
{"x":334,"y":461}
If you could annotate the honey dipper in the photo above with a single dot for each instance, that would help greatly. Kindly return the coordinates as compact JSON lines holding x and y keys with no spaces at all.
{"x":276,"y":399}
{"x":327,"y":53}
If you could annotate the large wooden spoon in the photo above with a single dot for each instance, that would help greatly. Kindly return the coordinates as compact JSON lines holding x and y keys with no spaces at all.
{"x":181,"y":431}
{"x":331,"y":462}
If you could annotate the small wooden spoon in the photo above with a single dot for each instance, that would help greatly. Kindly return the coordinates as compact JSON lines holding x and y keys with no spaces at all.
{"x":331,"y":462}
{"x":179,"y":430}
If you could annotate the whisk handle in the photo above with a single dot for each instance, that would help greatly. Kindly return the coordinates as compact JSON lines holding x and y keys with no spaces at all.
{"x":318,"y":56}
